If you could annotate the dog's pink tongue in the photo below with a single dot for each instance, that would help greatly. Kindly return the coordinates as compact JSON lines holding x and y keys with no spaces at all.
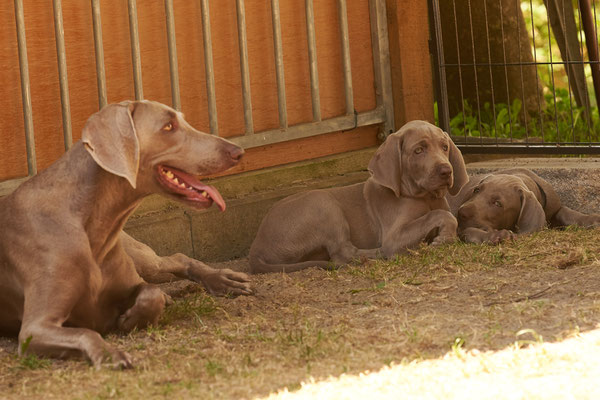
{"x":215,"y":195}
{"x":199,"y":186}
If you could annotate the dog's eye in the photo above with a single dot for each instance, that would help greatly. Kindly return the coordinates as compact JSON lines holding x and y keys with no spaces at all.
{"x":168,"y":127}
{"x":476,"y":190}
{"x":418,"y":150}
{"x":445,"y":147}
{"x":497,"y":203}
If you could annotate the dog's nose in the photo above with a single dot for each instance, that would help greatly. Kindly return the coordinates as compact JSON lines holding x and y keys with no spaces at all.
{"x":235,"y":152}
{"x":444,"y":170}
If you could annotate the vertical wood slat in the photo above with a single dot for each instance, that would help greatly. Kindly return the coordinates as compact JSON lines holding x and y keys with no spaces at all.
{"x":244,"y":66}
{"x":312,"y":60}
{"x":99,"y":49}
{"x":136,"y":59}
{"x":279,"y":71}
{"x":381,"y":63}
{"x":348,"y":90}
{"x":209,"y":69}
{"x":25,"y":88}
{"x":61,"y":55}
{"x":172,"y":48}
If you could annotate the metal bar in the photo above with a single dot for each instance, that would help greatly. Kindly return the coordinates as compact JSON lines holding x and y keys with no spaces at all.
{"x":25,"y":88}
{"x":546,"y":148}
{"x":460,"y":80}
{"x":61,"y":55}
{"x":136,"y":59}
{"x":443,"y":113}
{"x":510,"y":124}
{"x":348,"y":90}
{"x":523,"y":104}
{"x":341,"y":123}
{"x":100,"y":73}
{"x":209,"y":69}
{"x":279,"y":71}
{"x":537,"y":74}
{"x":524,"y":63}
{"x":475,"y":70}
{"x":591,"y":42}
{"x":381,"y":64}
{"x":487,"y":39}
{"x":312,"y":60}
{"x":244,"y":66}
{"x":585,"y":89}
{"x":172,"y":45}
{"x":552,"y":74}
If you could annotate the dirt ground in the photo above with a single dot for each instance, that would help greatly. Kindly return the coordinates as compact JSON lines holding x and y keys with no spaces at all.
{"x":315,"y":324}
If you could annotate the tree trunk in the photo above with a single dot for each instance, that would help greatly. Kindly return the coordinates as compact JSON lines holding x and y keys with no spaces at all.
{"x":488,"y":32}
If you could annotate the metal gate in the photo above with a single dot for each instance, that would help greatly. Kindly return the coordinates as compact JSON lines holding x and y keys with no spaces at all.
{"x":382,"y":114}
{"x":518,"y":76}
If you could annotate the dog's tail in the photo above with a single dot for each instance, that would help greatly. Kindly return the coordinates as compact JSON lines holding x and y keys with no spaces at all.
{"x":258,"y":266}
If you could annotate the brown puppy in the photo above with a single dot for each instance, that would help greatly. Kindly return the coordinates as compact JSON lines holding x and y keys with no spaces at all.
{"x":64,"y":274}
{"x":398,"y":207}
{"x":492,"y":207}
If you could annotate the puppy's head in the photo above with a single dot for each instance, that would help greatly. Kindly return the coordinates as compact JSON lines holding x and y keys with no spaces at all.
{"x":501,"y":202}
{"x":419,"y":160}
{"x":157,"y":151}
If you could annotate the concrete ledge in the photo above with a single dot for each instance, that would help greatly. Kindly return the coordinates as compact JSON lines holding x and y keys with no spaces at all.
{"x":576,"y":180}
{"x":210,"y":235}
{"x":213,"y":236}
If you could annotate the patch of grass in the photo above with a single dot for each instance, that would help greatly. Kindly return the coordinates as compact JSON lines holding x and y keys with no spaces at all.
{"x":197,"y":305}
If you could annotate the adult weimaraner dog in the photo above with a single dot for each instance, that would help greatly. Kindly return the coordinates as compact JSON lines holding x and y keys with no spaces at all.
{"x":493,"y":207}
{"x":401,"y":205}
{"x":65,"y":276}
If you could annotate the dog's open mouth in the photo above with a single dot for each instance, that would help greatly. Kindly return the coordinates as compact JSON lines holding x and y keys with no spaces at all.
{"x":189,"y":188}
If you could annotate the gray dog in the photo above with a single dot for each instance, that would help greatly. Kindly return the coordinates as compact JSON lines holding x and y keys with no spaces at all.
{"x":65,"y":276}
{"x":493,"y":207}
{"x":399,"y":206}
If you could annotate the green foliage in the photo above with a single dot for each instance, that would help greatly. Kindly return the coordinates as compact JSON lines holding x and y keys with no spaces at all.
{"x":560,"y":120}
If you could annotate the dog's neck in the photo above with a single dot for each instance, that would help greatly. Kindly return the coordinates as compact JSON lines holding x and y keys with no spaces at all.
{"x":102,"y":201}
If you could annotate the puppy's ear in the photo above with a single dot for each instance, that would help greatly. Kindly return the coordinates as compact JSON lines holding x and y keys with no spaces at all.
{"x":110,"y":137}
{"x":459,"y":171}
{"x":532,"y":217}
{"x":386,"y":165}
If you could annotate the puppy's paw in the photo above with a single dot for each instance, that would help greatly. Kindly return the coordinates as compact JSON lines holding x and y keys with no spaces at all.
{"x":496,"y":237}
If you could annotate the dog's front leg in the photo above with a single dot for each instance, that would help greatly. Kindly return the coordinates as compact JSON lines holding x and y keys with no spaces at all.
{"x":437,"y":225}
{"x":47,"y":306}
{"x":149,"y":304}
{"x":216,"y":281}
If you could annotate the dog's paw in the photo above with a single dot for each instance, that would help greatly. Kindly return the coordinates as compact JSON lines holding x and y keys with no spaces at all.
{"x":227,"y":282}
{"x":107,"y":356}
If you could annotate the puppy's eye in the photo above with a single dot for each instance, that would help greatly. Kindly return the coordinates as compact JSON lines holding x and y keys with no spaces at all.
{"x":418,"y":150}
{"x":497,"y":203}
{"x":445,"y":147}
{"x":168,"y":127}
{"x":476,"y":190}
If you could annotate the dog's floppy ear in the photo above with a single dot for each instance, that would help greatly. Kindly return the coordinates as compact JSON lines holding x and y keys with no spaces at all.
{"x":532,"y":217}
{"x":386,"y":164}
{"x":110,"y":137}
{"x":459,"y":171}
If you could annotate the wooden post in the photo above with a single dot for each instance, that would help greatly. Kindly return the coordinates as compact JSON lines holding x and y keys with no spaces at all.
{"x":408,"y":26}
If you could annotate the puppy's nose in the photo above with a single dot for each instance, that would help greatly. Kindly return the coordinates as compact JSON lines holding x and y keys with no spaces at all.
{"x":465,"y":213}
{"x":444,"y":170}
{"x":235,"y":152}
